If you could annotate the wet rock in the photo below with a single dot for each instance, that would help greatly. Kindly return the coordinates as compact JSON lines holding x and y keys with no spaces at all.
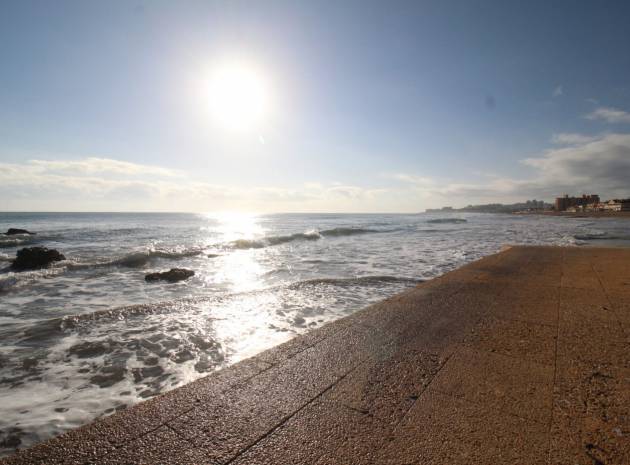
{"x":14,"y":231}
{"x":109,"y":376}
{"x":11,"y":438}
{"x":182,"y":356}
{"x":204,"y":365}
{"x":204,"y":343}
{"x":148,"y":393}
{"x":34,"y":258}
{"x":148,"y":372}
{"x":172,"y":276}
{"x":153,"y":347}
{"x":89,"y":349}
{"x":29,"y":363}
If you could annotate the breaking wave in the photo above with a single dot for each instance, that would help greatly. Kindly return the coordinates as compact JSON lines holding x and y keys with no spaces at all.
{"x":136,"y":259}
{"x":306,"y":236}
{"x":15,"y":241}
{"x":274,"y":240}
{"x":12,"y":280}
{"x":347,"y":231}
{"x":447,"y":221}
{"x":347,"y":282}
{"x":601,"y":236}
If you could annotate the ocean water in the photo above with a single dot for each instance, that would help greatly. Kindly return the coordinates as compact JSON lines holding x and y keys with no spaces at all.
{"x":89,"y":336}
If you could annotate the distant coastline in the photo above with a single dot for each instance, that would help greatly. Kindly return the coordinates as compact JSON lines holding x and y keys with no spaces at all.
{"x":585,"y":214}
{"x":539,"y":207}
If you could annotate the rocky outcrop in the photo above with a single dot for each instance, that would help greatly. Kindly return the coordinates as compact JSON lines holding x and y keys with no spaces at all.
{"x":34,"y":258}
{"x":172,"y":276}
{"x":14,"y":231}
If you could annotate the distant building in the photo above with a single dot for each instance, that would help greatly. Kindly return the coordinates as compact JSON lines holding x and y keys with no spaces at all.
{"x":585,"y":202}
{"x":616,"y":205}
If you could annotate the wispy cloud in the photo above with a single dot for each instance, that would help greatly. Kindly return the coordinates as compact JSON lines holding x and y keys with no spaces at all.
{"x":584,"y":163}
{"x":100,"y":166}
{"x":572,"y":139}
{"x":557,"y":92}
{"x":610,"y":115}
{"x":93,"y":183}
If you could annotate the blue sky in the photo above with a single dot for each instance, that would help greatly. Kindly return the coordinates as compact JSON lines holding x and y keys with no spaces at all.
{"x":377,"y":106}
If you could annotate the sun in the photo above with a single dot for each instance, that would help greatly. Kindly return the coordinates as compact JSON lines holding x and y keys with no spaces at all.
{"x":238,"y":96}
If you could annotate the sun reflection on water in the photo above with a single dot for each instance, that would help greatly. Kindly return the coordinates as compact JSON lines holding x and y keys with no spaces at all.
{"x":246,"y":325}
{"x":239,"y":270}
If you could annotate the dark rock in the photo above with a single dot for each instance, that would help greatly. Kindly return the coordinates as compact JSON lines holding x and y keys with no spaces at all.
{"x":14,"y":231}
{"x":172,"y":276}
{"x":34,"y":258}
{"x":89,"y":349}
{"x":11,"y":440}
{"x":182,"y":356}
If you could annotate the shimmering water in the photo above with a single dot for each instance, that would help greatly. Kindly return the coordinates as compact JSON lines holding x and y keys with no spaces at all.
{"x":89,"y":335}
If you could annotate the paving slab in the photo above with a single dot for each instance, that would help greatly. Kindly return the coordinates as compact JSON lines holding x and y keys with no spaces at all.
{"x":510,"y":385}
{"x":440,"y":429}
{"x":518,"y":339}
{"x":522,"y":357}
{"x":591,"y":419}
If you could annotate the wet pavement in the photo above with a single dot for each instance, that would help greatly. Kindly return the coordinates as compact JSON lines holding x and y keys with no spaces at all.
{"x":522,"y":357}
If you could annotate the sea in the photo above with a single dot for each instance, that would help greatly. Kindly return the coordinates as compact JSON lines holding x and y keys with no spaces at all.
{"x":89,"y":336}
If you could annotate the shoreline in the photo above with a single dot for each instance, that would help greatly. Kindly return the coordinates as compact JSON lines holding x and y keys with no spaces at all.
{"x":620,"y":215}
{"x":424,"y":373}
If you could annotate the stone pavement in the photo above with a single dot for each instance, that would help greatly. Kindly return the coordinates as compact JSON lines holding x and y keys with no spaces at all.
{"x":519,"y":358}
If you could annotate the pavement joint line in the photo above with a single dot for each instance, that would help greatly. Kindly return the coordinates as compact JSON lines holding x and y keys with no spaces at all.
{"x":610,"y":303}
{"x":414,"y":401}
{"x":166,"y":423}
{"x":287,"y":418}
{"x":394,"y":425}
{"x":555,"y":368}
{"x":365,"y":412}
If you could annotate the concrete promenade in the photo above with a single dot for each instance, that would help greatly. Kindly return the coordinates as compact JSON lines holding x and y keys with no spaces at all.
{"x":520,"y":358}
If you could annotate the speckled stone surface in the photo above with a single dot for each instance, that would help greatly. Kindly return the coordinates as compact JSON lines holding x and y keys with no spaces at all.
{"x":522,"y":357}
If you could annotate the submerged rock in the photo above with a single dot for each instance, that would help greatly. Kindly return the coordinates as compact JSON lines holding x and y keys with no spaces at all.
{"x":34,"y":258}
{"x":172,"y":276}
{"x":14,"y":231}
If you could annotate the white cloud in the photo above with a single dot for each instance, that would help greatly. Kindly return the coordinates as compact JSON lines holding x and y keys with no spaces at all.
{"x":572,"y":139}
{"x":610,"y":115}
{"x":82,"y":185}
{"x":558,"y":91}
{"x":599,"y":164}
{"x":93,"y":165}
{"x":602,"y":164}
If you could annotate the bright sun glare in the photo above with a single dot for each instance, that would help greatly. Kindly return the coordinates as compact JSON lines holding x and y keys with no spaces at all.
{"x":238,"y":96}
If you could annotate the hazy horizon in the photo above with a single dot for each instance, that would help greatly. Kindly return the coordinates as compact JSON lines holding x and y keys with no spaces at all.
{"x":328,"y":107}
